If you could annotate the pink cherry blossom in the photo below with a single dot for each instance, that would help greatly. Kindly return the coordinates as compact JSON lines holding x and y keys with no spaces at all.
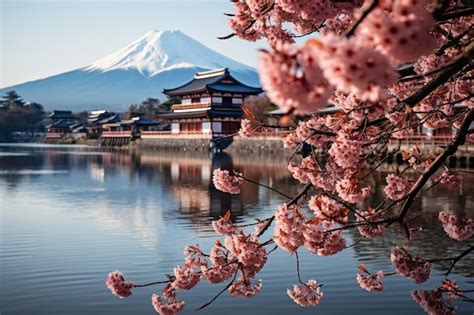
{"x":225,"y":182}
{"x":433,"y":302}
{"x":397,"y":187}
{"x":450,"y":178}
{"x":370,"y":282}
{"x":289,"y":225}
{"x":331,"y":244}
{"x":326,"y":208}
{"x":351,"y":190}
{"x":353,"y":67}
{"x":460,"y":229}
{"x":403,"y":35}
{"x":313,"y":236}
{"x":308,"y":294}
{"x":248,"y":252}
{"x":410,"y":267}
{"x":369,"y":229}
{"x":185,"y":278}
{"x":216,"y":274}
{"x":291,"y":140}
{"x":224,"y":225}
{"x":171,"y":307}
{"x":301,"y":172}
{"x":294,"y":81}
{"x":194,"y":256}
{"x":245,"y":288}
{"x":117,"y":285}
{"x":246,"y":129}
{"x":346,"y":152}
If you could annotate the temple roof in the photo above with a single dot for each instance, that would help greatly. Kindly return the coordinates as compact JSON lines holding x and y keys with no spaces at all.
{"x":140,"y":121}
{"x":62,"y":114}
{"x":203,"y":113}
{"x":219,"y":80}
{"x":61,"y":124}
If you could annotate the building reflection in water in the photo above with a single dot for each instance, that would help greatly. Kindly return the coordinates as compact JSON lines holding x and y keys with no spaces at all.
{"x":157,"y":187}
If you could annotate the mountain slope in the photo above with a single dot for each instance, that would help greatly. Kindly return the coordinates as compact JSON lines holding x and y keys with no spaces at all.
{"x":158,"y":60}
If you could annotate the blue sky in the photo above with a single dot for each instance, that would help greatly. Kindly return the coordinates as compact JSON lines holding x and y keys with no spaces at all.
{"x":39,"y":38}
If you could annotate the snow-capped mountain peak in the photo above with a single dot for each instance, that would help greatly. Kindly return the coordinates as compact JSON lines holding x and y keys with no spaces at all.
{"x":159,"y":51}
{"x":156,"y":61}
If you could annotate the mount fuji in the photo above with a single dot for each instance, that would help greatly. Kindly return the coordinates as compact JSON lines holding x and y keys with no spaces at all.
{"x":158,"y":60}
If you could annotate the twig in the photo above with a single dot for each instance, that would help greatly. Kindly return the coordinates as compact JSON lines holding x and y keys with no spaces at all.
{"x":437,"y":163}
{"x":365,"y":13}
{"x":263,"y":185}
{"x":222,"y":291}
{"x":458,"y":258}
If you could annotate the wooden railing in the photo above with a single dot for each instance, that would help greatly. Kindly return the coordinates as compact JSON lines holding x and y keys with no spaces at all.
{"x":190,"y":106}
{"x":116,"y":134}
{"x":54,"y":135}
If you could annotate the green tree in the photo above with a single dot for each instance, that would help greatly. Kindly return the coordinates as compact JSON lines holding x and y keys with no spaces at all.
{"x":165,"y":106}
{"x":12,"y":99}
{"x":16,"y":115}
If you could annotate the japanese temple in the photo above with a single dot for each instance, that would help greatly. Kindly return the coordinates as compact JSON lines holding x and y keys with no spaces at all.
{"x":211,"y":104}
{"x":61,"y":123}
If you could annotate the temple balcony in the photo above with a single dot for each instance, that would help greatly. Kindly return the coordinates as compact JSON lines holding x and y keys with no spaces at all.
{"x":190,"y":107}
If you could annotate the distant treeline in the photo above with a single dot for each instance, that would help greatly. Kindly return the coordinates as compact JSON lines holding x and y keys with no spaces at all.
{"x":18,"y":115}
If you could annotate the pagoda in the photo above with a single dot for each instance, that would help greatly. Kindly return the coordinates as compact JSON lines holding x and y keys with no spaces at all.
{"x":211,"y":104}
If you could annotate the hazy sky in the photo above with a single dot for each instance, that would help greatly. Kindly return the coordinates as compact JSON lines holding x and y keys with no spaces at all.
{"x":40,"y":38}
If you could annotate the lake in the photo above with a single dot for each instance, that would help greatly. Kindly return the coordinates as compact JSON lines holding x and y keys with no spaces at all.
{"x":71,"y":214}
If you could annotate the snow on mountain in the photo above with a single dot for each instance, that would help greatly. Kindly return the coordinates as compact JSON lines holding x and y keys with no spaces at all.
{"x":158,"y":60}
{"x":160,"y":51}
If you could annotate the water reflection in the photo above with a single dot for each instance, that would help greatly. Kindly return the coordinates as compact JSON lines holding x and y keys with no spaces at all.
{"x":136,"y":210}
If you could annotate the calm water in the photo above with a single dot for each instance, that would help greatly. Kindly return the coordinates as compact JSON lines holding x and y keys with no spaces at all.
{"x":69,"y":215}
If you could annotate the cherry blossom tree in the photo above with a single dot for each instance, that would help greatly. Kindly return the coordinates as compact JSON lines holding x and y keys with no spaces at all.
{"x":390,"y":68}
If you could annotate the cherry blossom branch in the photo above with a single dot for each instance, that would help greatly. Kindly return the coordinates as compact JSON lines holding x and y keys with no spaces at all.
{"x":464,"y":59}
{"x":291,"y":202}
{"x":263,"y":185}
{"x":438,"y":162}
{"x":455,"y":14}
{"x":458,"y":258}
{"x":298,"y":267}
{"x":152,"y":283}
{"x":220,"y":292}
{"x":365,"y":13}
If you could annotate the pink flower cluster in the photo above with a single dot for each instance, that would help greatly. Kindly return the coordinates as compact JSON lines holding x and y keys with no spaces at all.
{"x":289,"y":226}
{"x":346,"y":152}
{"x":327,"y":209}
{"x":397,"y":187}
{"x":292,"y":79}
{"x":302,"y":171}
{"x":450,"y":178}
{"x":291,"y":231}
{"x":222,"y":268}
{"x":353,"y":67}
{"x":185,"y":278}
{"x":308,"y":294}
{"x":404,"y":33}
{"x":246,"y":129}
{"x":457,"y":228}
{"x":224,"y":225}
{"x":117,"y":285}
{"x":351,"y":190}
{"x":368,"y":281}
{"x":194,"y":256}
{"x":435,"y":302}
{"x":415,"y":269}
{"x":369,"y":229}
{"x":245,"y":288}
{"x":171,"y":306}
{"x":225,"y":182}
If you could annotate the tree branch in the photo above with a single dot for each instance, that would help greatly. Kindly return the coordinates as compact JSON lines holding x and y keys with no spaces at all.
{"x":438,"y":162}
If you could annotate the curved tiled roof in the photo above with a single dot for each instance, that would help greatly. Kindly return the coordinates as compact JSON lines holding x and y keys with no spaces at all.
{"x":214,"y":81}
